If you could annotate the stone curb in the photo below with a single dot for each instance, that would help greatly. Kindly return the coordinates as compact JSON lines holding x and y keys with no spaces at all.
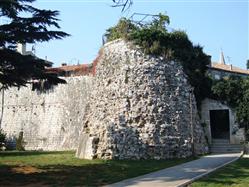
{"x":184,"y":184}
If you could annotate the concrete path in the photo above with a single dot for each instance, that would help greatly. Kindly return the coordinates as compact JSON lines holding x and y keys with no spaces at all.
{"x":181,"y":175}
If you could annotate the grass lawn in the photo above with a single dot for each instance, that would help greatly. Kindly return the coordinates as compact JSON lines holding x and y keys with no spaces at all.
{"x":63,"y":169}
{"x":234,"y":175}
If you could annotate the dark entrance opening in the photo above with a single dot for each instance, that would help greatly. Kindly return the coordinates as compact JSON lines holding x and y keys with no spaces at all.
{"x":219,"y":122}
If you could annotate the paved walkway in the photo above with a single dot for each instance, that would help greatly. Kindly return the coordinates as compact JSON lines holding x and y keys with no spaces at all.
{"x":182,"y":174}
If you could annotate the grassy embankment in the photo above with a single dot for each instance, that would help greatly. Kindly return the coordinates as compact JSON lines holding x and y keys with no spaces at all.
{"x":234,"y":175}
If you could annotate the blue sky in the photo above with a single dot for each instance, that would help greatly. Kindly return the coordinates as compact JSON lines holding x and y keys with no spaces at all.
{"x":214,"y":24}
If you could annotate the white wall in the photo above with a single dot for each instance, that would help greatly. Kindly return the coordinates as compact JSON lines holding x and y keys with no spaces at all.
{"x":49,"y":121}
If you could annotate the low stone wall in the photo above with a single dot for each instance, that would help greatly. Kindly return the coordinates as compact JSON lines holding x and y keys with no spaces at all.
{"x":139,"y":108}
{"x":51,"y":120}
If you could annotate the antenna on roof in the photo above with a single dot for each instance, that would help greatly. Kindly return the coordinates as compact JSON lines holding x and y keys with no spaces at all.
{"x":222,"y":59}
{"x":229,"y":59}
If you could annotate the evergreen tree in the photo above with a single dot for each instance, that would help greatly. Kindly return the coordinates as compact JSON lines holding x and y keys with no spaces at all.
{"x":25,"y":24}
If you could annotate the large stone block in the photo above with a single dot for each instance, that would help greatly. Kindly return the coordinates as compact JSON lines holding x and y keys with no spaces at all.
{"x":86,"y":146}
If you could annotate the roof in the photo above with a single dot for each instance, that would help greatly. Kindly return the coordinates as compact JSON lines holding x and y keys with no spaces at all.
{"x":229,"y":68}
{"x":75,"y":70}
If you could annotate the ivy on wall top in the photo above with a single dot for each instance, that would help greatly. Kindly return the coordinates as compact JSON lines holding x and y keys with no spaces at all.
{"x":155,"y":39}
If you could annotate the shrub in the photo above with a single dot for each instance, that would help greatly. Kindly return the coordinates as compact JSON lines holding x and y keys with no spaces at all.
{"x":2,"y":136}
{"x":2,"y":140}
{"x":20,"y":142}
{"x":121,"y":30}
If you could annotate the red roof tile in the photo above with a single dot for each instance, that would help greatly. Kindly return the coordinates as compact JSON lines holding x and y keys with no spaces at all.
{"x":72,"y":70}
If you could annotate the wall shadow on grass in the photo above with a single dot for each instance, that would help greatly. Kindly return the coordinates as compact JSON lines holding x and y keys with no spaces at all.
{"x":58,"y":175}
{"x":96,"y":174}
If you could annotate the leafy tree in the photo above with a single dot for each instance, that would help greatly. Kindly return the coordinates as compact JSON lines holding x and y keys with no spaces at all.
{"x":247,"y":64}
{"x":229,"y":90}
{"x":122,"y":29}
{"x":155,"y":39}
{"x":25,"y":24}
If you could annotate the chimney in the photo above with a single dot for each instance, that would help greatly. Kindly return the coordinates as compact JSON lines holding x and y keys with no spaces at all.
{"x":21,"y":48}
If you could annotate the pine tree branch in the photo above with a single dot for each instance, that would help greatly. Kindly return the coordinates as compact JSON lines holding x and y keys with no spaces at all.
{"x":17,"y":69}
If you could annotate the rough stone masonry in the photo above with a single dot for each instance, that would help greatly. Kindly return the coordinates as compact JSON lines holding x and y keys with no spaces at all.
{"x":49,"y":121}
{"x":136,"y":107}
{"x":139,"y":108}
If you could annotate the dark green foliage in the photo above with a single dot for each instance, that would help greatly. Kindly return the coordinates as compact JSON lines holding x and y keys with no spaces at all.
{"x":235,"y":91}
{"x":16,"y":69}
{"x":247,"y":64}
{"x":243,"y":107}
{"x":2,"y":137}
{"x":20,"y":142}
{"x":121,"y":30}
{"x":229,"y":90}
{"x":155,"y":39}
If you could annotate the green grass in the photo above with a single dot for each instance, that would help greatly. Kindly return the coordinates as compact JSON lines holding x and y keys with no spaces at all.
{"x":233,"y":175}
{"x":63,"y":169}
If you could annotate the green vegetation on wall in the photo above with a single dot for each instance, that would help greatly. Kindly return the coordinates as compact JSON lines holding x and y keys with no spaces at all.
{"x":20,"y":142}
{"x":235,"y":92}
{"x":155,"y":39}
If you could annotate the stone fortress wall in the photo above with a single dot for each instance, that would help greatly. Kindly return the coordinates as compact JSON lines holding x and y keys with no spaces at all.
{"x":137,"y":106}
{"x":51,"y":120}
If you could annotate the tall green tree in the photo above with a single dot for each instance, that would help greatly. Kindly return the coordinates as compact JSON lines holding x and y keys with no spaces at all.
{"x":25,"y":24}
